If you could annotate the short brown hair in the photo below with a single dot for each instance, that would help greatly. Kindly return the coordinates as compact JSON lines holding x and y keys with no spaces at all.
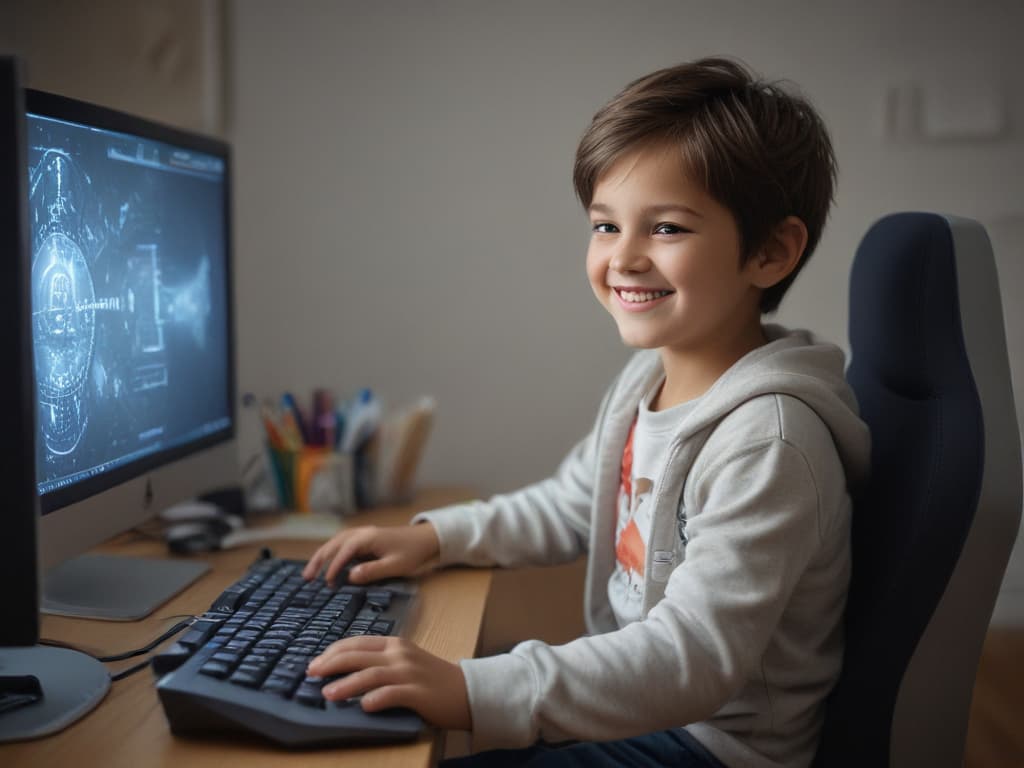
{"x":761,"y":151}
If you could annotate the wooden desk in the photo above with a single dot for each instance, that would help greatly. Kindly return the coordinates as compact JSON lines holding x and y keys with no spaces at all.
{"x":128,"y":728}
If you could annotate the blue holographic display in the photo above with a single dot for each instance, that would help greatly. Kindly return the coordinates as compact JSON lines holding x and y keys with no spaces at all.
{"x":129,"y":297}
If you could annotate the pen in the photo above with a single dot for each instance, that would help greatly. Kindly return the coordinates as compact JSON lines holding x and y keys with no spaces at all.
{"x":362,"y":420}
{"x":292,"y":412}
{"x":324,"y":418}
{"x":273,"y":434}
{"x":339,"y":427}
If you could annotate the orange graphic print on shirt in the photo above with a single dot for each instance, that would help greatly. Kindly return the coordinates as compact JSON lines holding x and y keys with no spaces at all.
{"x":629,"y":550}
{"x":630,"y":547}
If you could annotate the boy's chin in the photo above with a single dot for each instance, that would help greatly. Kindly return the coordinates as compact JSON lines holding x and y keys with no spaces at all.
{"x":638,"y":341}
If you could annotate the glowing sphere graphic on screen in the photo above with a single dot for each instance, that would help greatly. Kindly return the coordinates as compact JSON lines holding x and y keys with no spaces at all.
{"x":65,"y":326}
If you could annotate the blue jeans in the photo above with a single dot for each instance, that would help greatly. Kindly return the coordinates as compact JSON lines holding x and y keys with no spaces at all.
{"x":673,"y":748}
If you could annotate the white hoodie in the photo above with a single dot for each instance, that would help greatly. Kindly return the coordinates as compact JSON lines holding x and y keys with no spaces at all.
{"x":741,"y":635}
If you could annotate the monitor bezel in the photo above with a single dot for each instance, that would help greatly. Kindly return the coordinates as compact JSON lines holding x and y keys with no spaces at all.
{"x":58,"y":107}
{"x":19,"y":553}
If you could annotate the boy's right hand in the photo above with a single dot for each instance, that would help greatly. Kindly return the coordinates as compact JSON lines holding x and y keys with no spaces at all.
{"x":391,"y":552}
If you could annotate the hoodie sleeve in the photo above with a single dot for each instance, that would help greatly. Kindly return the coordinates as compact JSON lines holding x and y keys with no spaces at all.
{"x":696,"y":648}
{"x":545,"y":523}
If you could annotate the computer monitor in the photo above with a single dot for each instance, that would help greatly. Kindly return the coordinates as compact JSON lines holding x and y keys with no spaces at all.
{"x":129,"y":236}
{"x":41,"y":689}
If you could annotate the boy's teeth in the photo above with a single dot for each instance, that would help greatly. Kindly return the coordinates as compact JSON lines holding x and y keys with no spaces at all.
{"x":641,"y":296}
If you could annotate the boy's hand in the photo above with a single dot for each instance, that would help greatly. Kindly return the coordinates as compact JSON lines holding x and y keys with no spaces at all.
{"x":394,"y":551}
{"x":393,"y":672}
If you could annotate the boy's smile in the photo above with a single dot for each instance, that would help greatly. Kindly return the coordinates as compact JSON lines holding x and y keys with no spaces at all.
{"x":664,"y":260}
{"x":639,"y":299}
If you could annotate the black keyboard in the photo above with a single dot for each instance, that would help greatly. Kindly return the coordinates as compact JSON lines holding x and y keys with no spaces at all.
{"x":242,"y":665}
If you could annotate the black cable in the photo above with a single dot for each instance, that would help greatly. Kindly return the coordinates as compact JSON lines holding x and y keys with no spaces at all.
{"x":139,"y":651}
{"x":126,"y":654}
{"x":129,"y":671}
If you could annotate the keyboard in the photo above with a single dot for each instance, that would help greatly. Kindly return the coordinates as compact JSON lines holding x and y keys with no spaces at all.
{"x":241,"y":667}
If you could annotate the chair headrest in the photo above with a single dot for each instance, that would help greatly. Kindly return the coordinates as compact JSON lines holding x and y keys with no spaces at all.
{"x":904,"y":304}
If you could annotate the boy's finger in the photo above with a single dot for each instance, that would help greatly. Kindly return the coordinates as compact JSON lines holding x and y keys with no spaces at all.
{"x":346,"y":552}
{"x":365,"y":644}
{"x":359,"y":682}
{"x":374,"y":570}
{"x":342,"y":662}
{"x":388,"y":696}
{"x":313,"y":566}
{"x":323,"y":555}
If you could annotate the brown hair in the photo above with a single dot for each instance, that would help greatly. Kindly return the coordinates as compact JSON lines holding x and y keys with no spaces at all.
{"x":762,"y":152}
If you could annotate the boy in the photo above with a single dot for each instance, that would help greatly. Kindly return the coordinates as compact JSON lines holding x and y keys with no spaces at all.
{"x":711,"y":494}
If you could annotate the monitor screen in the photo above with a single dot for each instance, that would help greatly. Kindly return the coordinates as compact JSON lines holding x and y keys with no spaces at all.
{"x":131,"y":330}
{"x":130,"y":333}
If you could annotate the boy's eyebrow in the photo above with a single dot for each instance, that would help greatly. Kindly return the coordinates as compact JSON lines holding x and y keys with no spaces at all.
{"x":649,"y":210}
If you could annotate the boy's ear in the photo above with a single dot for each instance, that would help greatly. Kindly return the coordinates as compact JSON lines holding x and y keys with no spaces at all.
{"x":780,"y":254}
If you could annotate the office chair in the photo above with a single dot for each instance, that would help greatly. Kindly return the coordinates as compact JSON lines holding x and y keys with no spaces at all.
{"x":934,"y":525}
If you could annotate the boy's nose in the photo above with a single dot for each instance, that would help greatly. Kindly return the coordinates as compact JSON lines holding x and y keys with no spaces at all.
{"x":629,"y":257}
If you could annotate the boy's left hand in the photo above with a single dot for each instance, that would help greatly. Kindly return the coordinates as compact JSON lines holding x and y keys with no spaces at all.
{"x":393,"y":672}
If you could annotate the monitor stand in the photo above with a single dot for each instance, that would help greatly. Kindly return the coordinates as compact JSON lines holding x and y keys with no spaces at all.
{"x":115,"y":588}
{"x":72,"y":684}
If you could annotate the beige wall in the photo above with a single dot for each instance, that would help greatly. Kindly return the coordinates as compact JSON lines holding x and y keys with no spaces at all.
{"x":162,"y":59}
{"x":404,"y":213}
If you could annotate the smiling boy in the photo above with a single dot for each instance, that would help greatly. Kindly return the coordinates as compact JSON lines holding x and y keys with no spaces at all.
{"x":711,"y":494}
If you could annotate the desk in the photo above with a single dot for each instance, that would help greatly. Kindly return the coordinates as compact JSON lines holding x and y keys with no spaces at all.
{"x":128,"y":728}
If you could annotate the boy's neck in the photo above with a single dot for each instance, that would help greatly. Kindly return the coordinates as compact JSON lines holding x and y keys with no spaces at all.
{"x":690,"y":373}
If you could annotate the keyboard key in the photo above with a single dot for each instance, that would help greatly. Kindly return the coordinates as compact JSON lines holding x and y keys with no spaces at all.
{"x":170,"y":660}
{"x":248,"y":675}
{"x":216,"y":669}
{"x":230,"y":599}
{"x":278,"y":634}
{"x":291,"y":669}
{"x":198,"y":634}
{"x":282,"y":686}
{"x":228,"y":657}
{"x":310,"y":695}
{"x":259,"y":659}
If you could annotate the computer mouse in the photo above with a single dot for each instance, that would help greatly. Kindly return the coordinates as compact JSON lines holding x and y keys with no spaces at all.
{"x":200,"y":535}
{"x":189,"y":511}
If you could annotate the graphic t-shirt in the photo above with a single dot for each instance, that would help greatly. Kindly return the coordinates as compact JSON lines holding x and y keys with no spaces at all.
{"x":643,"y":459}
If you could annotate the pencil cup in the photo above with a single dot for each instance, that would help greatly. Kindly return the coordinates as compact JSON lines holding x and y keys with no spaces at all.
{"x":314,"y":479}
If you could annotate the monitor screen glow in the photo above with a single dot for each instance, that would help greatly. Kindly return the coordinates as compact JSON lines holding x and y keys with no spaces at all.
{"x":128,"y":289}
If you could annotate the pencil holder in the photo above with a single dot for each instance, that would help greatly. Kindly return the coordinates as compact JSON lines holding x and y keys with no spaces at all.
{"x":313,"y":479}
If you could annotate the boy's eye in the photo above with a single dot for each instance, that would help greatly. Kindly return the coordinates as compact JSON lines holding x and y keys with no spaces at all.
{"x":669,"y":229}
{"x":604,"y":228}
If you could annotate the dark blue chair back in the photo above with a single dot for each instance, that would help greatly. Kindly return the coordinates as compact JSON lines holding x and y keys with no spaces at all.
{"x":916,"y":378}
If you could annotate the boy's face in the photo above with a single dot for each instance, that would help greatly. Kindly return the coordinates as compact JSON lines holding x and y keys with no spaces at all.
{"x":664,"y":257}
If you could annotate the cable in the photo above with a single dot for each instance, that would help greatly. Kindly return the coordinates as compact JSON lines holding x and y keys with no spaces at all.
{"x":129,"y":671}
{"x":126,"y":654}
{"x":139,"y":651}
